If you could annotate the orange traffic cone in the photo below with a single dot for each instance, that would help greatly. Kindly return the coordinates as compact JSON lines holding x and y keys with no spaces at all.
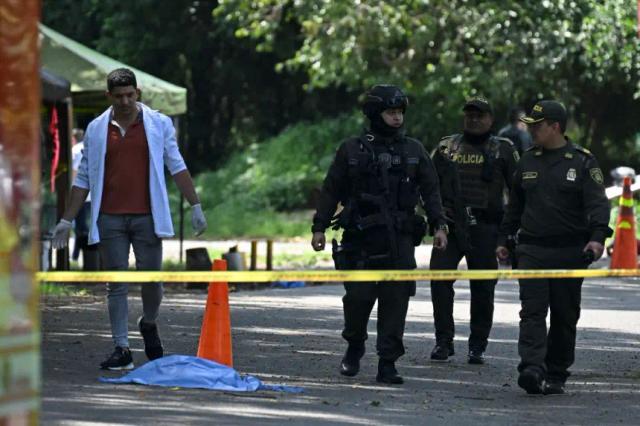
{"x":215,"y":336}
{"x":625,"y":247}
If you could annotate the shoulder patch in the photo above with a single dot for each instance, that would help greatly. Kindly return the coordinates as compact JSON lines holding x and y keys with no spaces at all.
{"x":504,"y":140}
{"x":596,"y":175}
{"x":445,"y":145}
{"x":583,"y":150}
{"x":449,"y":137}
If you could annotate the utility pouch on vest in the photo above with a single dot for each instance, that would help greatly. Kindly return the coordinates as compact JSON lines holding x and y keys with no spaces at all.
{"x":408,"y":196}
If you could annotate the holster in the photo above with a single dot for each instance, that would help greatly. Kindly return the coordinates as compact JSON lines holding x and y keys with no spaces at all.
{"x":342,"y":258}
{"x":418,"y":229}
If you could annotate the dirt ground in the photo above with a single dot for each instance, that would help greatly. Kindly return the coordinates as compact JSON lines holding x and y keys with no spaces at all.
{"x":293,"y":337}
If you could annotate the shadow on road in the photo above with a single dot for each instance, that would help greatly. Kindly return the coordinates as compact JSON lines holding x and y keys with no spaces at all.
{"x":293,"y":337}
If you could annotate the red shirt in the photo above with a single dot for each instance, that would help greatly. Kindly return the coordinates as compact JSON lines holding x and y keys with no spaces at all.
{"x":126,"y":171}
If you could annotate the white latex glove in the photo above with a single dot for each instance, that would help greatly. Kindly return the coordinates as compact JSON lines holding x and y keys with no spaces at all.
{"x":198,"y":221}
{"x":61,"y":232}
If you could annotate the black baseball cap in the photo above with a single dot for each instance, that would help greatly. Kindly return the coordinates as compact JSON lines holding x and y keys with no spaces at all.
{"x":547,"y":110}
{"x":478,"y":103}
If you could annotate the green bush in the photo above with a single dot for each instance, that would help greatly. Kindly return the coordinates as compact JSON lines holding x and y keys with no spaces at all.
{"x":268,"y":189}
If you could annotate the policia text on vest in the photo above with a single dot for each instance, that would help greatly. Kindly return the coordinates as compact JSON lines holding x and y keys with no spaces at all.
{"x":475,"y":171}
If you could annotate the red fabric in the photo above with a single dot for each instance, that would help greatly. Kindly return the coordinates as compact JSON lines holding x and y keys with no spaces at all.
{"x":126,"y":173}
{"x":55,"y":135}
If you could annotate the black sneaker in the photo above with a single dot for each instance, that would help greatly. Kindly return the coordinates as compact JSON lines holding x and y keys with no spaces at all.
{"x":476,"y":356}
{"x":531,"y":380}
{"x":350,"y":365}
{"x":120,"y":359}
{"x":152,"y":343}
{"x":441,"y":352}
{"x":553,"y":388}
{"x":387,"y":373}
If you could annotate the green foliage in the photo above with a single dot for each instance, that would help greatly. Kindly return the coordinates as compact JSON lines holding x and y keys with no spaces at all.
{"x":252,"y":193}
{"x":57,"y":289}
{"x":306,"y":260}
{"x":584,"y":52}
{"x":172,"y":265}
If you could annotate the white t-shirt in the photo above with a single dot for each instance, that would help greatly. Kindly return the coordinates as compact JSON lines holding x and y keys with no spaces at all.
{"x":76,"y":158}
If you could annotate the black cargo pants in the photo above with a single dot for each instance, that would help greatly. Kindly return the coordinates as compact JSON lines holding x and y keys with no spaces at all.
{"x":393,"y":302}
{"x":551,"y":352}
{"x":483,"y":237}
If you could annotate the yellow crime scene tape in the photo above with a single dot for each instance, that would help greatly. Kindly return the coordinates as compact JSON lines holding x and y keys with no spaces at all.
{"x":325,"y":275}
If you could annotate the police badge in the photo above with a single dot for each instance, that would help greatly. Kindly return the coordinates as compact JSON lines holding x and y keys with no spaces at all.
{"x":571,"y":175}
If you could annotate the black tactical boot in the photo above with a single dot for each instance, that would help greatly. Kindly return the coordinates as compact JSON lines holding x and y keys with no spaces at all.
{"x":350,"y":365}
{"x":476,"y":356}
{"x":531,"y":380}
{"x":553,"y":387}
{"x":442,"y":351}
{"x":387,"y":373}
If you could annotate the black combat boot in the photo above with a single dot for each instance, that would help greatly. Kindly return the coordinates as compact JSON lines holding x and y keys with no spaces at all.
{"x":442,"y":351}
{"x":531,"y":379}
{"x":387,"y":373}
{"x":350,"y":365}
{"x":476,"y":356}
{"x":553,"y":387}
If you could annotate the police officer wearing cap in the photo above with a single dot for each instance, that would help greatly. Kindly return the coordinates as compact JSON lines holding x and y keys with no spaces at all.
{"x":378,"y":178}
{"x":474,"y":169}
{"x":560,"y":212}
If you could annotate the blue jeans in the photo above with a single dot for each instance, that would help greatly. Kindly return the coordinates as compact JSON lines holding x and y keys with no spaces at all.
{"x":117,"y":233}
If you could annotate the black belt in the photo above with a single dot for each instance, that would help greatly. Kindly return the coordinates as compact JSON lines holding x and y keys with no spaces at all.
{"x":555,"y":241}
{"x":480,"y":215}
{"x":487,"y":216}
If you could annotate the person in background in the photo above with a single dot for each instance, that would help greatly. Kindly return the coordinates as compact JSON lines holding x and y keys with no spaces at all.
{"x":516,"y":131}
{"x":81,"y":222}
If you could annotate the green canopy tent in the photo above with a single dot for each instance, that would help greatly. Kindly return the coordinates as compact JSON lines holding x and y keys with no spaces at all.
{"x":87,"y":71}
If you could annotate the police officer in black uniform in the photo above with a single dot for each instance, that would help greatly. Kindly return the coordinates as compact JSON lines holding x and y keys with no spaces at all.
{"x":379,"y":178}
{"x":474,"y":169}
{"x":559,"y":209}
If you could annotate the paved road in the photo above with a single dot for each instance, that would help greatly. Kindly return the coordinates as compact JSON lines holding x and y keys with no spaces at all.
{"x":292,"y":337}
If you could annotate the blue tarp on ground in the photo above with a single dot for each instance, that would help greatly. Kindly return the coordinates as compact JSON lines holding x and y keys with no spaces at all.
{"x":287,"y":284}
{"x":193,"y":372}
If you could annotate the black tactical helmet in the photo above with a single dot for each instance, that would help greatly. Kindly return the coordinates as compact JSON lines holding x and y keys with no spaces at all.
{"x":381,"y":97}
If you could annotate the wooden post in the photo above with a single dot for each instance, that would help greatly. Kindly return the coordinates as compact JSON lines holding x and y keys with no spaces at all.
{"x":254,"y":255}
{"x":269,"y":255}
